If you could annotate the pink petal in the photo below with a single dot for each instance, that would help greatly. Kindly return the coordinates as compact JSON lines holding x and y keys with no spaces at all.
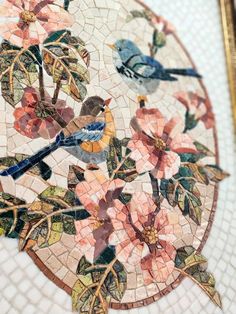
{"x":158,"y":267}
{"x":143,"y":152}
{"x":150,"y":121}
{"x":9,"y":10}
{"x":54,"y":18}
{"x":183,"y":97}
{"x":172,"y":128}
{"x":182,"y":143}
{"x":168,"y":166}
{"x":84,"y":237}
{"x":140,"y":206}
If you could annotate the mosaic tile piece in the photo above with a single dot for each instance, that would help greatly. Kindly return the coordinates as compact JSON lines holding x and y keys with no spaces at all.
{"x":116,"y":196}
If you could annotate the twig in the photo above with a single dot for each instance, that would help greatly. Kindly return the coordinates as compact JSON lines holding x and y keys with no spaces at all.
{"x":41,"y":84}
{"x":56,"y":92}
{"x":119,"y":166}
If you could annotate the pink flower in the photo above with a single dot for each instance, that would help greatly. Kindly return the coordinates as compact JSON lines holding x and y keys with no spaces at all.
{"x":144,"y":237}
{"x":38,"y":118}
{"x":97,"y":194}
{"x":28,"y":22}
{"x":156,"y":143}
{"x":198,"y":106}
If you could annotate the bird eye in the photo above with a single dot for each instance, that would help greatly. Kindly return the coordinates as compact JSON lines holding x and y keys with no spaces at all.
{"x":119,"y":49}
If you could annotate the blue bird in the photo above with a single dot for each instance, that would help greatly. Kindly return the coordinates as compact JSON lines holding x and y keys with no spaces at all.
{"x":143,"y":73}
{"x":92,"y":128}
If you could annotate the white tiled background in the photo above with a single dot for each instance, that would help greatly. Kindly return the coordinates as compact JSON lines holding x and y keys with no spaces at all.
{"x":24,"y":289}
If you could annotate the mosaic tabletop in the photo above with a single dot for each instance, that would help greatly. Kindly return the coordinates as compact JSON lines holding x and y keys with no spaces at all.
{"x":109,"y":159}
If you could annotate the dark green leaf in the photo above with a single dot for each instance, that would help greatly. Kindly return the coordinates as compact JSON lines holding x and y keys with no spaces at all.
{"x":97,"y":284}
{"x":194,"y":265}
{"x":11,"y":221}
{"x":190,"y":121}
{"x":203,"y":149}
{"x":66,"y":59}
{"x":17,"y":68}
{"x":125,"y":198}
{"x":59,"y":197}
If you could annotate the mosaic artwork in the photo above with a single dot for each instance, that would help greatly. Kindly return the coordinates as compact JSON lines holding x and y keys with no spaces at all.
{"x":109,"y":165}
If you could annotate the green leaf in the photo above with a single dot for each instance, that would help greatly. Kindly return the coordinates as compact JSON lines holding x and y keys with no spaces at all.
{"x":53,"y":215}
{"x":58,"y":197}
{"x":125,"y":198}
{"x":198,"y":172}
{"x":66,"y":59}
{"x":203,"y":149}
{"x":18,"y":68}
{"x":11,"y":222}
{"x":114,"y":156}
{"x":181,"y":190}
{"x":97,"y":284}
{"x":186,"y":258}
{"x":193,"y":158}
{"x":159,"y":39}
{"x":215,"y":173}
{"x":145,"y":14}
{"x":190,"y":121}
{"x":193,"y":265}
{"x":119,"y":162}
{"x":190,"y":203}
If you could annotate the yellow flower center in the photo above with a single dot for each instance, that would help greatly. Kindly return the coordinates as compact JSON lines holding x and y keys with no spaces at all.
{"x":150,"y":235}
{"x":160,"y":144}
{"x":28,"y":17}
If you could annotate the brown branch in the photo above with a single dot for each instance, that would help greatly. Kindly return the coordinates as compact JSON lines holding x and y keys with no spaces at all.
{"x":56,"y":92}
{"x":41,"y":84}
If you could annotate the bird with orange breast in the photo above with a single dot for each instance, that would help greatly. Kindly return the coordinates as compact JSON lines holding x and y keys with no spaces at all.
{"x":87,"y":137}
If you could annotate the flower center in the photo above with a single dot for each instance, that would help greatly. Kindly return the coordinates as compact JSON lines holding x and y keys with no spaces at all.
{"x":43,"y":110}
{"x":28,"y":17}
{"x":160,"y":144}
{"x":150,"y":235}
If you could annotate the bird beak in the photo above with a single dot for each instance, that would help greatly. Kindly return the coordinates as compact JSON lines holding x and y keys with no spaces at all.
{"x":112,"y":46}
{"x":107,"y":102}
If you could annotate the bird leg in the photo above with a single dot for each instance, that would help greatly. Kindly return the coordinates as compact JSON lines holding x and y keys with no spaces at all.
{"x":142,"y":100}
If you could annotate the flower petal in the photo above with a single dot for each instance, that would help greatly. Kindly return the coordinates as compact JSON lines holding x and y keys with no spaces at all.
{"x":158,"y":266}
{"x":167,"y":166}
{"x":150,"y":121}
{"x":140,"y":206}
{"x":182,"y":143}
{"x":84,"y":237}
{"x":143,"y":152}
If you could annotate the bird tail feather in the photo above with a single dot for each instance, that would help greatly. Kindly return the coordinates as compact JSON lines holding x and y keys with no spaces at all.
{"x":184,"y":72}
{"x":25,"y":165}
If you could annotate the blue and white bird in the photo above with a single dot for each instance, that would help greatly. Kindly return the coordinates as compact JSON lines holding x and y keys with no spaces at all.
{"x":143,"y":73}
{"x":91,"y":131}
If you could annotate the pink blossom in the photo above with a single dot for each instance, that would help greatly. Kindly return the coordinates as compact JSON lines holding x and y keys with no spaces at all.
{"x":38,"y":118}
{"x":198,"y":106}
{"x":29,"y":22}
{"x":97,"y":194}
{"x":144,"y":237}
{"x":156,"y":143}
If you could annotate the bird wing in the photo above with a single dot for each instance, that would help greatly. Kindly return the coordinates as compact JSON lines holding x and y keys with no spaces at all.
{"x":149,"y":68}
{"x":92,"y":132}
